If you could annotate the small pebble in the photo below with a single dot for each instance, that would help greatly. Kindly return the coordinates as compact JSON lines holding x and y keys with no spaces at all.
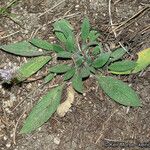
{"x":84,"y":94}
{"x":57,"y":140}
{"x":5,"y":138}
{"x":8,"y":145}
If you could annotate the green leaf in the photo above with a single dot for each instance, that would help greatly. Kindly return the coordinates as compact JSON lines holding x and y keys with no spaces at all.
{"x":43,"y":110}
{"x":77,"y":83}
{"x":85,"y":29}
{"x":101,"y":60}
{"x":23,"y":48}
{"x":85,"y":72}
{"x":64,"y":54}
{"x":49,"y":77}
{"x":93,"y":35}
{"x":63,"y":29}
{"x":117,"y":54}
{"x":92,"y":69}
{"x":96,"y":50}
{"x":119,"y":91}
{"x":57,"y":48}
{"x":121,"y":66}
{"x":60,"y":36}
{"x":31,"y":67}
{"x":60,"y":68}
{"x":70,"y":44}
{"x":79,"y":60}
{"x":143,"y":60}
{"x":41,"y":44}
{"x":69,"y":74}
{"x":61,"y":23}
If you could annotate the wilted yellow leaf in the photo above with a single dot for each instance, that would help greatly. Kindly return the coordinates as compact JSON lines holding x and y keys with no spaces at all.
{"x":64,"y":107}
{"x":143,"y":60}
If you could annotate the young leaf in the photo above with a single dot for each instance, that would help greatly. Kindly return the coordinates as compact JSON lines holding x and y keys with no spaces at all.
{"x":31,"y":67}
{"x":60,"y":36}
{"x":119,"y":91}
{"x":77,"y":83}
{"x":69,"y":74}
{"x":79,"y":60}
{"x":23,"y":48}
{"x":49,"y":77}
{"x":117,"y":54}
{"x":121,"y":66}
{"x":63,"y":29}
{"x":143,"y":60}
{"x":70,"y":44}
{"x":43,"y":110}
{"x":101,"y":60}
{"x":85,"y":72}
{"x":57,"y":48}
{"x":60,"y":68}
{"x":85,"y":29}
{"x":92,"y":69}
{"x":64,"y":54}
{"x":41,"y":44}
{"x":96,"y":50}
{"x":93,"y":35}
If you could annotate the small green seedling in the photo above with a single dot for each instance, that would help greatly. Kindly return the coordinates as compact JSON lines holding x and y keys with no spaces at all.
{"x":82,"y":57}
{"x":5,"y":10}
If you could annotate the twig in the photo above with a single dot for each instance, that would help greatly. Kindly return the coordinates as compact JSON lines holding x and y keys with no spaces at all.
{"x":134,"y":16}
{"x":51,"y":8}
{"x":105,"y":124}
{"x":16,"y":125}
{"x":111,"y":23}
{"x":9,"y":35}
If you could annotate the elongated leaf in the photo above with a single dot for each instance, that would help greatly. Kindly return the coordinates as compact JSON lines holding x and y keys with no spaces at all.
{"x":43,"y":110}
{"x":49,"y":77}
{"x":121,"y":66}
{"x":57,"y":48}
{"x":85,"y":72}
{"x":23,"y":48}
{"x":61,"y":36}
{"x":122,"y":73}
{"x":143,"y":60}
{"x":93,"y":35}
{"x":119,"y":91}
{"x":69,"y":74}
{"x":117,"y":54}
{"x":64,"y":107}
{"x":31,"y":67}
{"x":63,"y":29}
{"x":64,"y":54}
{"x":70,"y":44}
{"x":85,"y":29}
{"x":77,"y":83}
{"x":101,"y":60}
{"x":41,"y":44}
{"x":60,"y":68}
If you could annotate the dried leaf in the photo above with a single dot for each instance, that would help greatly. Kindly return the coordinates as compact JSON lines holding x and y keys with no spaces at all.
{"x":143,"y":60}
{"x":64,"y":107}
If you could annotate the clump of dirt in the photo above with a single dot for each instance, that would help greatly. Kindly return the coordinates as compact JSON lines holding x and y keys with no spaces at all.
{"x":94,"y":121}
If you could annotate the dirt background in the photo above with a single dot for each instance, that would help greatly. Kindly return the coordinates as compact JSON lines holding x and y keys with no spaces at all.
{"x":94,"y":121}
